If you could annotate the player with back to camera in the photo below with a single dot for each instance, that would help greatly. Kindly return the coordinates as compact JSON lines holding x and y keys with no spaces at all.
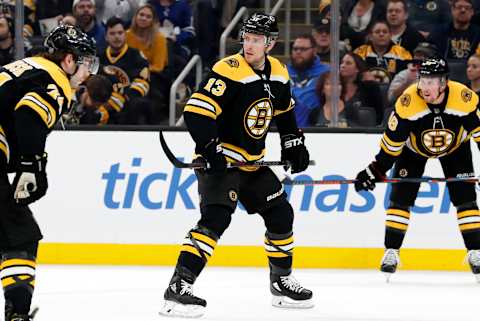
{"x":228,"y":118}
{"x":433,"y":118}
{"x":35,"y":92}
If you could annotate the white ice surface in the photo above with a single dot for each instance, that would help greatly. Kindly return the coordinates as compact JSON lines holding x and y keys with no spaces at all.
{"x":101,"y":293}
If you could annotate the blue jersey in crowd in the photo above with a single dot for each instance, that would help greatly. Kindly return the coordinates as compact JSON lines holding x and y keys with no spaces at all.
{"x":303,"y":90}
{"x":179,"y":13}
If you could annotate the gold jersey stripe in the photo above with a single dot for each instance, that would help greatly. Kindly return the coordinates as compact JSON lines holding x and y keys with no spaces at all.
{"x":41,"y":106}
{"x":398,"y":212}
{"x":468,"y":213}
{"x":17,"y":262}
{"x":470,"y":226}
{"x":193,"y":250}
{"x":395,"y":225}
{"x":200,"y":110}
{"x":388,"y":151}
{"x":279,"y":242}
{"x":208,"y":100}
{"x":391,"y":142}
{"x":205,"y":239}
{"x":8,"y":281}
{"x":276,"y":254}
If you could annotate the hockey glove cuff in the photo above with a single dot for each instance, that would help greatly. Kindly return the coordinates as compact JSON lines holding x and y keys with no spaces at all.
{"x":30,"y":182}
{"x":213,"y":154}
{"x":294,"y":152}
{"x":366,"y":179}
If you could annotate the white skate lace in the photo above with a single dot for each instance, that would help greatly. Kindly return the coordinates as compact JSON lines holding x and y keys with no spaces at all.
{"x":291,"y":283}
{"x":390,"y":257}
{"x":473,"y":257}
{"x":186,"y":288}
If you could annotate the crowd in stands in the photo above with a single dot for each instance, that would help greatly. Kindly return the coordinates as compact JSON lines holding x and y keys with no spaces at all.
{"x":144,"y":44}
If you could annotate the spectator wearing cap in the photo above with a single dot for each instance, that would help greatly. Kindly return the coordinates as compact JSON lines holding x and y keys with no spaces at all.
{"x":408,"y":76}
{"x":304,"y":69}
{"x":459,"y":39}
{"x":426,"y":15}
{"x":84,"y":12}
{"x":383,"y":57}
{"x":402,"y":33}
{"x":473,"y":72}
{"x":321,"y":34}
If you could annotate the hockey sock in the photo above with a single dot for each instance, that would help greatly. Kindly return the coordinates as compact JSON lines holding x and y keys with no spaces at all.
{"x":279,"y":248}
{"x":197,"y":248}
{"x":469,"y":223}
{"x":18,"y":280}
{"x":396,"y":226}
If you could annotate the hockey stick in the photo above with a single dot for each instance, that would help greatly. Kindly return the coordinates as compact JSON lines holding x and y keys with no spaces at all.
{"x":288,"y":181}
{"x":179,"y":164}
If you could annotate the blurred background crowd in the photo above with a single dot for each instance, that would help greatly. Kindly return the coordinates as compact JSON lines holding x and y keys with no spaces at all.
{"x":143,"y":46}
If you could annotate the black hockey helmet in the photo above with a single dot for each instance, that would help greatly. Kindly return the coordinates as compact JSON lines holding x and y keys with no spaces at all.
{"x":70,"y":39}
{"x":434,"y":67}
{"x":261,"y":24}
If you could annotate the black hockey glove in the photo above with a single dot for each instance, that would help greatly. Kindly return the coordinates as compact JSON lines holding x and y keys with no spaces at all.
{"x":294,"y":152}
{"x":30,"y":182}
{"x":366,"y":179}
{"x":213,"y":154}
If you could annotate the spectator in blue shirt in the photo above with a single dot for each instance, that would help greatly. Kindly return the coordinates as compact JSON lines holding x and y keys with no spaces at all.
{"x":84,"y":12}
{"x":304,"y":69}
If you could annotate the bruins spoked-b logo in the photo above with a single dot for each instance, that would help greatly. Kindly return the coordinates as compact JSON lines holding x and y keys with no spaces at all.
{"x":437,"y":141}
{"x":258,"y":117}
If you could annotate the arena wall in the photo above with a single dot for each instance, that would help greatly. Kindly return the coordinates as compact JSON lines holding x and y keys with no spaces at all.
{"x":114,"y":198}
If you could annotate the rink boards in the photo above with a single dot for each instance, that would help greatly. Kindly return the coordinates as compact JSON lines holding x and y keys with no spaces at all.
{"x":115,"y":199}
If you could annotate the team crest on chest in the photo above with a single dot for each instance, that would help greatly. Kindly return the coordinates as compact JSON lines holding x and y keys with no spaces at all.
{"x":437,"y":141}
{"x":258,"y":117}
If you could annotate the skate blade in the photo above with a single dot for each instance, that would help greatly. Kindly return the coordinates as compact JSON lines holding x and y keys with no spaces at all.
{"x":477,"y":277}
{"x":174,"y":309}
{"x":388,"y":275}
{"x":286,"y":302}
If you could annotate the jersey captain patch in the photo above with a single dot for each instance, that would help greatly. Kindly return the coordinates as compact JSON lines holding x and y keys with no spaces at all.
{"x":258,"y":117}
{"x":437,"y":141}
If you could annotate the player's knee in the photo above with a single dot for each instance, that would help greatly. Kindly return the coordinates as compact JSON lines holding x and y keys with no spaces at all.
{"x":467,"y":206}
{"x":279,"y":219}
{"x":216,"y":218}
{"x":399,"y":206}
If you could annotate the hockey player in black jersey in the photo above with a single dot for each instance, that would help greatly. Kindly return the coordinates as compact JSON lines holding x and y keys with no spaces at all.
{"x":228,"y":118}
{"x":35,"y":92}
{"x":434,"y":118}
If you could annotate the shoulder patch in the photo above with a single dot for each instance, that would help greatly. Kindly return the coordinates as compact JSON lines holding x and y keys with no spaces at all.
{"x":466,"y":95}
{"x":405,"y":100}
{"x":232,"y":62}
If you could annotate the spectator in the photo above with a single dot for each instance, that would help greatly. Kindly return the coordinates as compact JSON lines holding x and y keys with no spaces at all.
{"x":458,"y":39}
{"x":304,"y":69}
{"x":358,"y":90}
{"x":129,"y":64}
{"x":84,"y":12}
{"x":358,"y":17}
{"x":473,"y":72}
{"x":207,"y":19}
{"x":7,"y":41}
{"x":88,"y":108}
{"x":7,"y":8}
{"x":426,"y":16}
{"x":323,"y":116}
{"x":383,"y":57}
{"x":176,"y":24}
{"x":145,"y":36}
{"x":402,"y":33}
{"x":321,"y":34}
{"x":123,"y":9}
{"x":408,"y":76}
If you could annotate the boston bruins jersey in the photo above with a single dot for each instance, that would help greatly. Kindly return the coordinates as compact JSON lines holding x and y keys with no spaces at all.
{"x":35,"y":83}
{"x":430,"y":131}
{"x":132,"y":69}
{"x":243,"y":103}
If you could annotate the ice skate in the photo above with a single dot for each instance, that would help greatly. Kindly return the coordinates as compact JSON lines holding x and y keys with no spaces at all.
{"x":473,"y":257}
{"x":179,"y":298}
{"x":288,"y":293}
{"x":10,"y":316}
{"x":390,"y":261}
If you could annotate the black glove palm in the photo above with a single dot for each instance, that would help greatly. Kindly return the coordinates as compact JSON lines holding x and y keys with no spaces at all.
{"x":213,"y":154}
{"x":295,"y":152}
{"x":366,"y":179}
{"x":30,"y":182}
